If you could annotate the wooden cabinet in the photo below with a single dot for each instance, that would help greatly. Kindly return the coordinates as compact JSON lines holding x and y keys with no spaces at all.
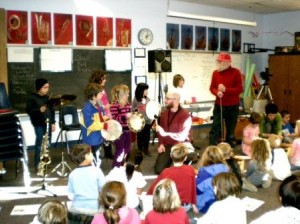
{"x":285,"y":83}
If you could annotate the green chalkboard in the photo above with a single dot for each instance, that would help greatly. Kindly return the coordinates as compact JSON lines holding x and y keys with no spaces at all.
{"x":22,"y":77}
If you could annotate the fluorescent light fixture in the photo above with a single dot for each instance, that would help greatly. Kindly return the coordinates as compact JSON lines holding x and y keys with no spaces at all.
{"x":210,"y":18}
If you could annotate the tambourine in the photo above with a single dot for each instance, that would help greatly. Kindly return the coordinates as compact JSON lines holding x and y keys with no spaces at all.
{"x":153,"y":109}
{"x":136,"y":122}
{"x":113,"y":132}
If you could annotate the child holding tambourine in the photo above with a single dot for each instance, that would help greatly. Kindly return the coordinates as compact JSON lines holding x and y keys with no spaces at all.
{"x":139,"y":104}
{"x":120,"y":111}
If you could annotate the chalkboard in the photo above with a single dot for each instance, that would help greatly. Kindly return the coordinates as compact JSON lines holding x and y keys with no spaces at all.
{"x":22,"y":77}
{"x":197,"y":69}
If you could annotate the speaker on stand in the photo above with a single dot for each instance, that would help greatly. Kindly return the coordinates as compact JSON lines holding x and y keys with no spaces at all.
{"x":159,"y":61}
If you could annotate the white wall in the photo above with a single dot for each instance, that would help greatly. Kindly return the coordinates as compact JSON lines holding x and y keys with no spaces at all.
{"x":153,"y":14}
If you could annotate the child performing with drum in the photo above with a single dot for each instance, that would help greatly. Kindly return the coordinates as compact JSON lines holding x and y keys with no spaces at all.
{"x":92,"y":120}
{"x":139,"y":105}
{"x":120,"y":111}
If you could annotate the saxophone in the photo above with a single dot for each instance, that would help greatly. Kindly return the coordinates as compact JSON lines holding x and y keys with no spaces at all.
{"x":45,"y":158}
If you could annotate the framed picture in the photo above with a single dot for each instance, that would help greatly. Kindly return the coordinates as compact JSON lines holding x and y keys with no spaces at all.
{"x":63,"y":28}
{"x":236,"y":40}
{"x":140,"y":79}
{"x":213,"y":38}
{"x":139,"y":52}
{"x":40,"y":27}
{"x":224,"y":39}
{"x":104,"y":31}
{"x":84,"y":30}
{"x":123,"y":32}
{"x":187,"y":37}
{"x":200,"y":33}
{"x":172,"y":36}
{"x":17,"y":27}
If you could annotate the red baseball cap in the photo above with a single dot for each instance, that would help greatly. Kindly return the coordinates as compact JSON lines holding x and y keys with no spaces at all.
{"x":224,"y":57}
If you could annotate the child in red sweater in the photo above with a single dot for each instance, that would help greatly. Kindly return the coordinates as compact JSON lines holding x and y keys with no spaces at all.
{"x":183,"y":176}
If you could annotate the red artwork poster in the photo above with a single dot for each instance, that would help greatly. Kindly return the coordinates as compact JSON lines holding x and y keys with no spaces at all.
{"x":123,"y":32}
{"x":104,"y":31}
{"x":40,"y":27}
{"x":17,"y":27}
{"x":84,"y":30}
{"x":63,"y":29}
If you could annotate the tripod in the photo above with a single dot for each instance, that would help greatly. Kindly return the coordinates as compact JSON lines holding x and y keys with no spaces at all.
{"x":43,"y":187}
{"x":267,"y":92}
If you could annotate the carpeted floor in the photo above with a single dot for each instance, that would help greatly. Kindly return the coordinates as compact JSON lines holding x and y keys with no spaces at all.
{"x":8,"y":181}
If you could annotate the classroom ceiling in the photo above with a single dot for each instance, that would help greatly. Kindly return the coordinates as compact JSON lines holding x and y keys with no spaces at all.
{"x":255,"y":6}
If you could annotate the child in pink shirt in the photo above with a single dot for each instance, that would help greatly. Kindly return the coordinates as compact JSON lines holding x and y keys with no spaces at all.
{"x":250,"y":132}
{"x":295,"y":155}
{"x":113,"y":202}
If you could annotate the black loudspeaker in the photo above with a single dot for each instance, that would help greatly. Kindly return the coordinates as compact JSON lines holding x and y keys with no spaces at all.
{"x":160,"y":61}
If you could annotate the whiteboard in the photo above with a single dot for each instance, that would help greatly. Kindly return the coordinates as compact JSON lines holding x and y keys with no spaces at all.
{"x":197,"y":68}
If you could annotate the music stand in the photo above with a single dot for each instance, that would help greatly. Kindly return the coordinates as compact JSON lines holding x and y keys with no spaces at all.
{"x":43,"y":187}
{"x":64,"y":110}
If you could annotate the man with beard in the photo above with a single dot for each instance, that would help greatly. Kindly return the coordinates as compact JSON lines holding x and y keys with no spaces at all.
{"x":174,"y":127}
{"x":226,"y":85}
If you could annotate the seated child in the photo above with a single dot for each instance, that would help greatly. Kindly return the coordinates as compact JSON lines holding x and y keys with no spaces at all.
{"x":259,"y":166}
{"x":271,"y":122}
{"x":113,"y":202}
{"x":295,"y":155}
{"x":84,"y":182}
{"x":289,"y":212}
{"x":166,"y":205}
{"x":288,"y":132}
{"x":183,"y":175}
{"x":250,"y":132}
{"x":231,"y":161}
{"x":133,"y":180}
{"x":211,"y":163}
{"x":280,"y":168}
{"x":228,"y":209}
{"x":51,"y":211}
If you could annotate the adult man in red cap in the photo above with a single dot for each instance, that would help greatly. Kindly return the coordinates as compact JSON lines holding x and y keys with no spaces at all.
{"x":226,"y":85}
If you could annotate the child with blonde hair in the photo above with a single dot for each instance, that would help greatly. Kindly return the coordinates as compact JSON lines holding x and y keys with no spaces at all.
{"x":183,"y":175}
{"x":295,"y":155}
{"x":211,"y":163}
{"x":113,"y":202}
{"x":280,"y":168}
{"x":166,"y":205}
{"x":250,"y":132}
{"x":258,"y":171}
{"x":120,"y":111}
{"x":51,"y":211}
{"x":228,"y":209}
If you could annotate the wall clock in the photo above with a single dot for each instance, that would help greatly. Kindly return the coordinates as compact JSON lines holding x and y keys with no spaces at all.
{"x":145,"y":36}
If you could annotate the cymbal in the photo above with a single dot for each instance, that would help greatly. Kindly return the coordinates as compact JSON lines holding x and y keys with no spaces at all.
{"x":69,"y":97}
{"x":58,"y":100}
